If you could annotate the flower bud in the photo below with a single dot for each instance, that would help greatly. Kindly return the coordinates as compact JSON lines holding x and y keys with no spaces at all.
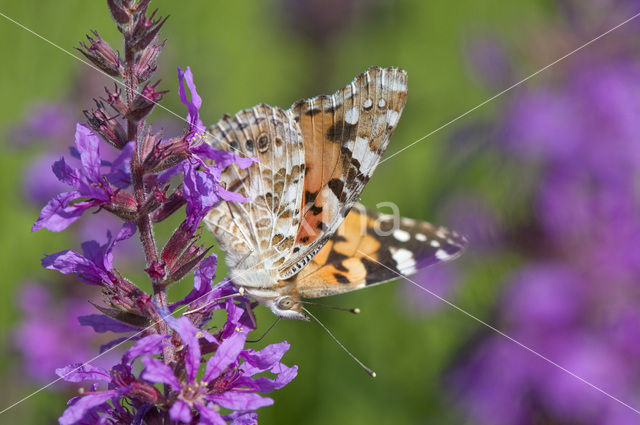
{"x":114,"y":100}
{"x":108,"y":127}
{"x":167,"y":154}
{"x":145,"y":101}
{"x":118,"y":11}
{"x":145,"y":392}
{"x":176,"y":245}
{"x":145,"y":30}
{"x":189,"y":259}
{"x":123,"y":204}
{"x":156,"y":270}
{"x":146,"y":64}
{"x":172,"y":204}
{"x":102,"y":55}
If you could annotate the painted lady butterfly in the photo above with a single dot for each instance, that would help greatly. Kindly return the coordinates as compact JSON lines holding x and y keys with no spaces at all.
{"x":302,"y":235}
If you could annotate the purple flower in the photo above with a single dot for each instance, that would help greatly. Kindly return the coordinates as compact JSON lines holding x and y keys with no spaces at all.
{"x":93,"y":188}
{"x":440,"y":279}
{"x":201,"y":183}
{"x":193,"y":106}
{"x":96,"y":265}
{"x":101,"y":404}
{"x":46,"y":121}
{"x":228,"y":380}
{"x":47,"y":321}
{"x":488,"y":59}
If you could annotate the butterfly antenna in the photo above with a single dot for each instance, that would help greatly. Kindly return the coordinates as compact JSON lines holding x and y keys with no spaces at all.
{"x":266,"y":332}
{"x":362,"y":365}
{"x":333,"y":307}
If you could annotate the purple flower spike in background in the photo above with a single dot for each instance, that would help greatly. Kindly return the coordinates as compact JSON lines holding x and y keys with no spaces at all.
{"x":571,"y":298}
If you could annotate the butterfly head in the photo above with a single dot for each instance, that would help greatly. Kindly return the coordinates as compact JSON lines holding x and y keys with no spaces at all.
{"x":287,"y":307}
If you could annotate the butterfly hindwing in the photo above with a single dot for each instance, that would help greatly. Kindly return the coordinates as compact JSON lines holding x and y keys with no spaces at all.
{"x":344,"y":137}
{"x":264,"y":228}
{"x":370,"y":248}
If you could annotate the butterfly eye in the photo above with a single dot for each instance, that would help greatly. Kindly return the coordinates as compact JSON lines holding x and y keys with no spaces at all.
{"x":263,"y":143}
{"x":285,"y":303}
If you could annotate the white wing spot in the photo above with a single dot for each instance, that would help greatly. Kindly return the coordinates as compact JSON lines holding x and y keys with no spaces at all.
{"x":368,"y":103}
{"x":401,"y":235}
{"x":392,"y":117}
{"x":435,"y":243}
{"x":421,"y":237}
{"x":352,"y":115}
{"x":404,"y":260}
{"x":381,"y":103}
{"x":441,"y":254}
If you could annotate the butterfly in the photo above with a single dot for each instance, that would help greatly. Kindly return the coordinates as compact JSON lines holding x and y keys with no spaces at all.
{"x":302,"y":233}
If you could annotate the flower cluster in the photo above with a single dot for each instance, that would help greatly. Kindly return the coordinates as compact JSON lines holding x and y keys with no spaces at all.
{"x":575,"y":299}
{"x":147,"y":180}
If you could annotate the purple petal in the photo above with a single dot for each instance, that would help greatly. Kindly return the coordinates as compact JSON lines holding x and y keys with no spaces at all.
{"x":57,"y":215}
{"x":263,"y":384}
{"x":267,"y":357}
{"x":156,"y":371}
{"x":200,"y":191}
{"x":67,"y":262}
{"x":152,"y":344}
{"x":230,"y":196}
{"x":65,"y":173}
{"x":210,"y":416}
{"x":126,"y":232}
{"x":205,"y":274}
{"x":141,"y":413}
{"x":101,"y":323}
{"x":205,"y":295}
{"x":88,"y":145}
{"x":79,"y":372}
{"x":238,"y":400}
{"x":226,"y":354}
{"x":194,"y":105}
{"x":180,"y":411}
{"x":166,"y":175}
{"x":120,"y":175}
{"x":82,"y":405}
{"x":222,"y":158}
{"x":117,"y":341}
{"x":189,"y":335}
{"x":285,"y":375}
{"x":242,"y":418}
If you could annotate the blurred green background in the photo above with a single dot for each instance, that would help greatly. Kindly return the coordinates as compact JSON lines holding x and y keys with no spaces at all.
{"x":243,"y":53}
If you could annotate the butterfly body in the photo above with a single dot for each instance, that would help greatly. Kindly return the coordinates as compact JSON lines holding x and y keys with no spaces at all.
{"x":301,"y":234}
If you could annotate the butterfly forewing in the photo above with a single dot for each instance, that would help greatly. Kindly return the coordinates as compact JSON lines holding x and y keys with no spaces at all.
{"x":344,"y":137}
{"x":369,"y":248}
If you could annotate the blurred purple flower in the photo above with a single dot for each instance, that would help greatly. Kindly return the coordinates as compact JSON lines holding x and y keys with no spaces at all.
{"x":573,"y":301}
{"x":47,"y":321}
{"x":439,"y":279}
{"x":488,"y":61}
{"x":44,"y":122}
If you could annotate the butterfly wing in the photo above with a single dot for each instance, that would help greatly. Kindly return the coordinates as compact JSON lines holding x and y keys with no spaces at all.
{"x":344,"y":137}
{"x":263,"y":229}
{"x":370,"y":248}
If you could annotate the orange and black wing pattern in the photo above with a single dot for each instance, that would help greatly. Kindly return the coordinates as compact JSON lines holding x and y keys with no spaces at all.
{"x":371,"y":248}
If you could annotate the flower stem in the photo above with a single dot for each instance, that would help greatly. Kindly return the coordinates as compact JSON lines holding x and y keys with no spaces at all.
{"x":144,"y":224}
